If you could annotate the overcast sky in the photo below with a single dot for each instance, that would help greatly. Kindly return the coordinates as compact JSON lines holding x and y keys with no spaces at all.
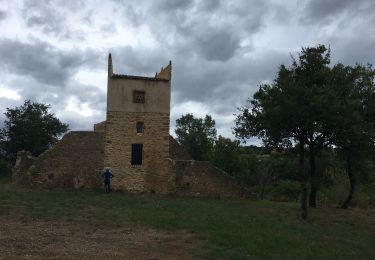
{"x":56,"y":52}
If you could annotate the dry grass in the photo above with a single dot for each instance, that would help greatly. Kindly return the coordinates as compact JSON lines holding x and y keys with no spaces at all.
{"x":70,"y":240}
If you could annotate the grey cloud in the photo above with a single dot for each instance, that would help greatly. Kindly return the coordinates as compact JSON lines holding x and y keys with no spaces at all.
{"x":216,"y":83}
{"x":144,"y":62}
{"x":209,"y":5}
{"x":359,"y":50}
{"x":42,"y":61}
{"x":50,"y":23}
{"x":92,"y":96}
{"x":3,"y":15}
{"x":217,"y":45}
{"x":209,"y":29}
{"x":50,"y":16}
{"x":172,"y":5}
{"x":323,"y":10}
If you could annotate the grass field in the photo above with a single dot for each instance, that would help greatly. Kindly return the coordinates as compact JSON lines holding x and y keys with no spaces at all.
{"x":225,"y":228}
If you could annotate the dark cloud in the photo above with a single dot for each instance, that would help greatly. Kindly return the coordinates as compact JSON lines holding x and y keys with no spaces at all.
{"x":44,"y":73}
{"x":50,"y":16}
{"x":211,"y":30}
{"x":221,"y":50}
{"x":323,"y":11}
{"x":359,"y":50}
{"x":84,"y":96}
{"x":172,"y":5}
{"x":49,"y":22}
{"x":209,"y":5}
{"x":217,"y":45}
{"x":42,"y":61}
{"x":138,"y":61}
{"x":3,"y":15}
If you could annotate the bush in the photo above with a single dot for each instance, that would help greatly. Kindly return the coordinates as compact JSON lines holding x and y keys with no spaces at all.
{"x":287,"y":190}
{"x":338,"y":187}
{"x":5,"y":168}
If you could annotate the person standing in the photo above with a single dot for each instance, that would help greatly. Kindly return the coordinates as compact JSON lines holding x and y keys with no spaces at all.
{"x":107,"y":176}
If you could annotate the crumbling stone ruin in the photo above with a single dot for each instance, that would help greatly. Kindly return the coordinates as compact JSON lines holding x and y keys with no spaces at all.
{"x":134,"y":142}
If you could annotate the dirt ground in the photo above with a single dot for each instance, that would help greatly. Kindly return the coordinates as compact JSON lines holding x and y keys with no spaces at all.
{"x":67,"y":240}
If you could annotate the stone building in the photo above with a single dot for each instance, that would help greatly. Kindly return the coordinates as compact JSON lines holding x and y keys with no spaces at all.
{"x":133,"y":141}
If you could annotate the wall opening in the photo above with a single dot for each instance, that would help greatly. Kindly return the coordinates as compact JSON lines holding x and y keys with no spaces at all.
{"x":138,"y":96}
{"x":140,"y":127}
{"x":137,"y":150}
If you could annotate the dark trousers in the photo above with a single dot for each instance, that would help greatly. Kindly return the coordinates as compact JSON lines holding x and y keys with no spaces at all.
{"x":107,"y":187}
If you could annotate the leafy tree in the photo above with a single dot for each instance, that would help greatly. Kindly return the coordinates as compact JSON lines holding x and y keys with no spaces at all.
{"x":355,"y":130}
{"x":197,"y":135}
{"x":314,"y":106}
{"x":226,"y":155}
{"x":30,"y":127}
{"x":293,"y":110}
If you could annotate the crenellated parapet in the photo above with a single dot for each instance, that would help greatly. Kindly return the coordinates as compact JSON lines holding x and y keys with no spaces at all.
{"x":165,"y":73}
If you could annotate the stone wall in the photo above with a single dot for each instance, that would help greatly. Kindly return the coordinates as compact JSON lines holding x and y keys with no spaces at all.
{"x":75,"y":161}
{"x":121,"y":132}
{"x":176,"y":151}
{"x":99,"y":127}
{"x":201,"y":178}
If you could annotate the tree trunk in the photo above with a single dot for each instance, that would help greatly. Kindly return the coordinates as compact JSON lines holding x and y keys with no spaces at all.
{"x":313,"y":179}
{"x":304,"y":180}
{"x":352,"y":181}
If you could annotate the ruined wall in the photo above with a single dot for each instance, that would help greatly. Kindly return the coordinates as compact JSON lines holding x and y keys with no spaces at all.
{"x":75,"y":161}
{"x":176,"y":151}
{"x":99,"y":127}
{"x":198,"y":178}
{"x":121,"y":133}
{"x":201,"y":178}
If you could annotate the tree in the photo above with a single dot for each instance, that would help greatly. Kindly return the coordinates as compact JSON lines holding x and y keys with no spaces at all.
{"x":196,"y":135}
{"x":293,"y":110}
{"x":354,"y":132}
{"x":226,"y":155}
{"x":30,"y":127}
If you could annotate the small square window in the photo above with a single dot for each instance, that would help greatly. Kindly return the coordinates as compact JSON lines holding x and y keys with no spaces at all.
{"x":138,"y":96}
{"x":140,"y":127}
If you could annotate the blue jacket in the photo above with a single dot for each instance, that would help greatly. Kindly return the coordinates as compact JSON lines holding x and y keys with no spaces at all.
{"x":107,"y":176}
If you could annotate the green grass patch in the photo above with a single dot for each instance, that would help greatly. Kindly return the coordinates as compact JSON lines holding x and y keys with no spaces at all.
{"x":229,"y":228}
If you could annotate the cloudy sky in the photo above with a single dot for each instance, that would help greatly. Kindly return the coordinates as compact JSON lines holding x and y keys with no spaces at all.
{"x":56,"y":52}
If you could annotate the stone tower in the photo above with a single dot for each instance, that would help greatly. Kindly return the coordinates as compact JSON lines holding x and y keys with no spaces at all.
{"x":137,"y":130}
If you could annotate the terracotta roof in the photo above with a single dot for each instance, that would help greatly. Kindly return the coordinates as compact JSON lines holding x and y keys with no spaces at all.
{"x":120,"y":76}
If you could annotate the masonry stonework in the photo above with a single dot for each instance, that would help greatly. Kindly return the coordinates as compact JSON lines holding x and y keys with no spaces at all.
{"x":123,"y":114}
{"x":76,"y":161}
{"x":121,"y":133}
{"x":132,"y":101}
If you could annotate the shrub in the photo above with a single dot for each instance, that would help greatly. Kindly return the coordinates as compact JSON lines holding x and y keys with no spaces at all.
{"x":5,"y":168}
{"x":287,"y":190}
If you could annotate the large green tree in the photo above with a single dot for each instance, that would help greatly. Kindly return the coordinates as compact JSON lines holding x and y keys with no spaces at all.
{"x":226,"y":155}
{"x":294,"y":109}
{"x":30,"y":127}
{"x":354,"y":131}
{"x":197,"y":135}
